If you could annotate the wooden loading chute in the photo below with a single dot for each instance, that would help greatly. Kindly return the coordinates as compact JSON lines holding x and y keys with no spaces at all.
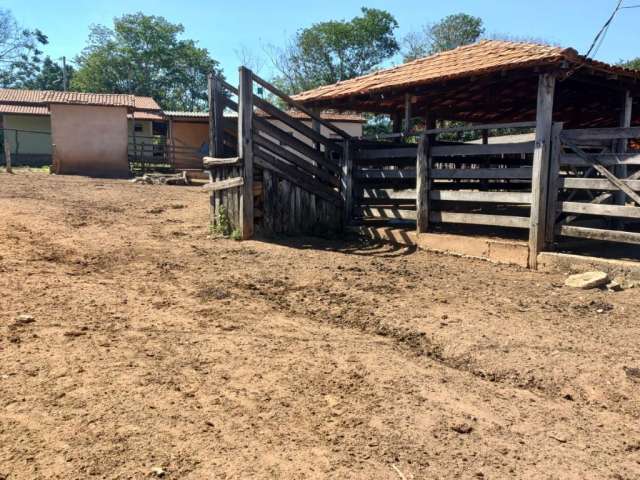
{"x":278,"y":173}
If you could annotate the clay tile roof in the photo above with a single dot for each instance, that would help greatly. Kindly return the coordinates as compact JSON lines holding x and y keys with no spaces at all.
{"x":97,"y":99}
{"x":12,"y":95}
{"x":479,"y":58}
{"x":146,"y":103}
{"x":24,"y":109}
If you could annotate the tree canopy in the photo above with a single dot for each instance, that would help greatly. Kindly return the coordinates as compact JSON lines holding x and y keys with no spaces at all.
{"x":19,"y":51}
{"x":144,"y":55}
{"x":328,"y":52}
{"x":450,"y":32}
{"x":633,"y":64}
{"x":49,"y":77}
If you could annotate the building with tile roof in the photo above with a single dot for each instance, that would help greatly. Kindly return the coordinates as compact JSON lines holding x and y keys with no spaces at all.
{"x":489,"y":81}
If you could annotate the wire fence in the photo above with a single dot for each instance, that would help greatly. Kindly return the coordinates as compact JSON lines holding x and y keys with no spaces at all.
{"x":27,"y":148}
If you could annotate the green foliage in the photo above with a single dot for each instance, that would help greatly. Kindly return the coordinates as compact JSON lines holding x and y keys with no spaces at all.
{"x":222,"y":224}
{"x":450,"y":32}
{"x":376,"y":125}
{"x":19,"y":51}
{"x":50,"y":76}
{"x":143,"y":55}
{"x":328,"y":52}
{"x":633,"y":64}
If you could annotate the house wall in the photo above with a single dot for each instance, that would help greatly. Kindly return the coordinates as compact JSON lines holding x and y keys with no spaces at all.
{"x":29,"y":143}
{"x":89,"y":140}
{"x":147,"y":129}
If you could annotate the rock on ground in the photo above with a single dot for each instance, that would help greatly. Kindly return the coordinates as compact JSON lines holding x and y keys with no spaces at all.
{"x":587,"y":280}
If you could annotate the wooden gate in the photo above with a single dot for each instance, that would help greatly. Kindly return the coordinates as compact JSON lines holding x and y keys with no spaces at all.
{"x":286,"y":176}
{"x":594,"y":185}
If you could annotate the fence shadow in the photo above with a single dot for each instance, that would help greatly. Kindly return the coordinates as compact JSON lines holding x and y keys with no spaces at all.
{"x":349,"y":244}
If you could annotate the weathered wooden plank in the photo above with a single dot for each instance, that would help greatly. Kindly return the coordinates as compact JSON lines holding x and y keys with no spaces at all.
{"x":480,"y":219}
{"x":264,"y":127}
{"x":481,"y":197}
{"x":486,"y":126}
{"x":264,"y":160}
{"x":299,"y":106}
{"x":347,"y":181}
{"x":294,"y":123}
{"x":599,"y":209}
{"x":599,"y":234}
{"x":211,"y":162}
{"x":303,"y":163}
{"x":383,"y":193}
{"x":444,"y":173}
{"x":382,"y":212}
{"x":607,"y":159}
{"x":480,"y":149}
{"x":245,"y":150}
{"x":578,"y":135}
{"x":596,"y":184}
{"x":606,"y":173}
{"x":423,"y":184}
{"x":388,"y":153}
{"x":540,"y":169}
{"x":554,"y":181}
{"x":223,"y":184}
{"x":622,"y":144}
{"x":387,"y":201}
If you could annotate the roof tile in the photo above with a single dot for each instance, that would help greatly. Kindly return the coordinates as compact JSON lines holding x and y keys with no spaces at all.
{"x":479,"y":58}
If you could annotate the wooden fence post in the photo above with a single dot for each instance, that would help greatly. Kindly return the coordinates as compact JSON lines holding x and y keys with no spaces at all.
{"x":540,"y":170}
{"x":347,"y":181}
{"x":7,"y":154}
{"x":621,"y":147}
{"x":245,"y":150}
{"x":554,"y":181}
{"x":423,"y":184}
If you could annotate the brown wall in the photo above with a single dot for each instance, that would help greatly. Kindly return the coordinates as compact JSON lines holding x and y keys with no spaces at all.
{"x":89,"y":140}
{"x":190,"y":134}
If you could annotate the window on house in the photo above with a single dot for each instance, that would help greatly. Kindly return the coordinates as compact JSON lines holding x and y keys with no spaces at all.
{"x":138,"y":127}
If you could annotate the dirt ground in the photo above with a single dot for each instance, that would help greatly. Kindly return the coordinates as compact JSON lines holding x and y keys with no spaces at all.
{"x":156,"y":350}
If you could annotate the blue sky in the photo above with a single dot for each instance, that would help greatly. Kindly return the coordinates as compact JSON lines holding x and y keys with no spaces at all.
{"x":224,"y":27}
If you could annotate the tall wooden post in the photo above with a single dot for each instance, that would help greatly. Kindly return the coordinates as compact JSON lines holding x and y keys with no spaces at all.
{"x":423,"y":184}
{"x":540,"y":170}
{"x":407,"y":113}
{"x":7,"y":154}
{"x":396,"y":122}
{"x":347,"y":182}
{"x":554,"y":182}
{"x":625,"y":122}
{"x":245,"y":149}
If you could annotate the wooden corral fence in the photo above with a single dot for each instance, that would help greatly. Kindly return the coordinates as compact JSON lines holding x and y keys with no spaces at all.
{"x":285,"y":176}
{"x":271,"y":171}
{"x":156,"y":154}
{"x":479,"y":184}
{"x":594,"y":189}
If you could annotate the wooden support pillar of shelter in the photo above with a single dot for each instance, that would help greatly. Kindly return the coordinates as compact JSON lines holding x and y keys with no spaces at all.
{"x":407,"y":113}
{"x":396,"y":122}
{"x":245,"y":150}
{"x":540,"y":169}
{"x":423,"y":177}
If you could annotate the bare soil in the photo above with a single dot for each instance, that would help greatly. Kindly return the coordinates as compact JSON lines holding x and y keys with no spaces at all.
{"x":156,"y":349}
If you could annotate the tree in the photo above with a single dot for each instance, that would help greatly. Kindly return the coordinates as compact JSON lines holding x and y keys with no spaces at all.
{"x":19,"y":51}
{"x":328,"y":52}
{"x":633,"y":64}
{"x":49,"y":77}
{"x":143,"y":55}
{"x":450,"y":32}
